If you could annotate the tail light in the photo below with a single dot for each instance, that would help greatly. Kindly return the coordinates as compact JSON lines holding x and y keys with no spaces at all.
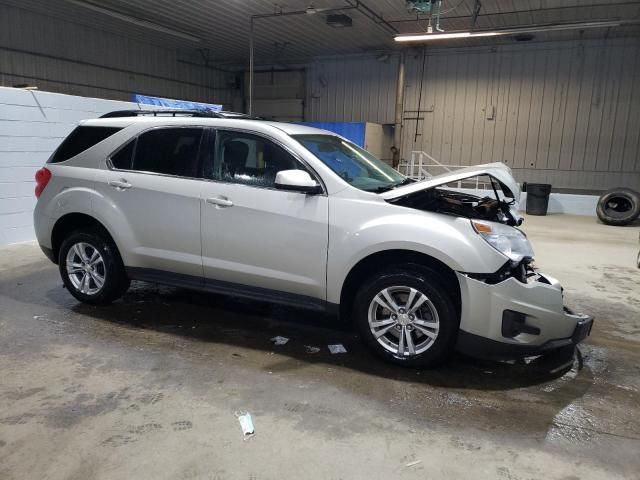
{"x":42,"y":178}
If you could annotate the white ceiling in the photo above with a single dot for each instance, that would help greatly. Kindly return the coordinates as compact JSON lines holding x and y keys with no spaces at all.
{"x":223,"y":25}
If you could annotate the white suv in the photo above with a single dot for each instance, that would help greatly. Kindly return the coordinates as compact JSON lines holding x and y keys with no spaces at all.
{"x":296,"y":215}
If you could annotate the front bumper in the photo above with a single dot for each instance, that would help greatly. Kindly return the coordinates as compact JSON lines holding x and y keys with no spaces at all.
{"x":513,"y":319}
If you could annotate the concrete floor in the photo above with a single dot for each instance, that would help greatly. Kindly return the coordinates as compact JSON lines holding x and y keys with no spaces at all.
{"x":147,"y":388}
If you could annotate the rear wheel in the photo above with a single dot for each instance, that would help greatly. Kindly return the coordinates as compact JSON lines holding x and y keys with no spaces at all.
{"x":91,"y":268}
{"x":406,"y":317}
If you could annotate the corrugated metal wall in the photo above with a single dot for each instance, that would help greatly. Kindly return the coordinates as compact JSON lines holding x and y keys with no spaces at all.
{"x":278,"y":94}
{"x":351,"y":89}
{"x":564,"y":113}
{"x":65,"y":57}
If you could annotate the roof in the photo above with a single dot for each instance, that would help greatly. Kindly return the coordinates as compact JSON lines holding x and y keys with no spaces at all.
{"x":257,"y":125}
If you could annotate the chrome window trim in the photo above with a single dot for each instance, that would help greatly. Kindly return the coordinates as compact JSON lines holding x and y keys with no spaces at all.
{"x":134,"y":138}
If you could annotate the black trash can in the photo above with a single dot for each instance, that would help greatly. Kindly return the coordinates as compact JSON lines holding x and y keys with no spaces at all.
{"x":538,"y":198}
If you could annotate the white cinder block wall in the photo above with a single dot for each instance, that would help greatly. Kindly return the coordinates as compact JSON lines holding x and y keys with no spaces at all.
{"x":32,"y":125}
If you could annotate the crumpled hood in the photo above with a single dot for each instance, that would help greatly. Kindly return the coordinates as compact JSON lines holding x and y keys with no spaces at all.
{"x":497,"y":170}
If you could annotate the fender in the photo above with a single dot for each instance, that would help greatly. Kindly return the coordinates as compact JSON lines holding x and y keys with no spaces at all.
{"x":451,"y":240}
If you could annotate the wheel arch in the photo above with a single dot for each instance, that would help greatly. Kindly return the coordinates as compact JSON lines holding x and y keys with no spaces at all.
{"x":71,"y":222}
{"x":379,"y":261}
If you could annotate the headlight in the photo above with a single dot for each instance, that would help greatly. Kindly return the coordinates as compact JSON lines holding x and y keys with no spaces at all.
{"x":507,"y":240}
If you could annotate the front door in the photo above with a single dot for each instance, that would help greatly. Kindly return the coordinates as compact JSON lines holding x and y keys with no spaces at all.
{"x":254,"y":234}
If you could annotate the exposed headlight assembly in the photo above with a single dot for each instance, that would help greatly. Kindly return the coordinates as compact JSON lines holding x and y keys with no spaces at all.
{"x":507,"y":240}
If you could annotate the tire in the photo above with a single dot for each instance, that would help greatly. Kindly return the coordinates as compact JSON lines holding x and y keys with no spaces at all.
{"x":432,"y":340}
{"x":618,"y":206}
{"x":106,"y":265}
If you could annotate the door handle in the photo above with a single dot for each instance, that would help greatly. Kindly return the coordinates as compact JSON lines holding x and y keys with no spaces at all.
{"x":220,"y":201}
{"x":121,"y":184}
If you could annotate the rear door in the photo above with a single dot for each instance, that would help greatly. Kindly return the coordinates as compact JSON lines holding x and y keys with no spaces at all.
{"x":254,"y":234}
{"x":153,"y":185}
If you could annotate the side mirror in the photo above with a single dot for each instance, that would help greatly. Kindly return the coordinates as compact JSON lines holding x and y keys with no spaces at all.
{"x":298,"y":181}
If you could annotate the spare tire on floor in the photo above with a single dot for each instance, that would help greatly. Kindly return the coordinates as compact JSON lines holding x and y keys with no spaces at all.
{"x":618,"y":206}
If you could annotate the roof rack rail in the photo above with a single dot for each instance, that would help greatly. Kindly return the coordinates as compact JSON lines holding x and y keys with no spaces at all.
{"x":156,"y":113}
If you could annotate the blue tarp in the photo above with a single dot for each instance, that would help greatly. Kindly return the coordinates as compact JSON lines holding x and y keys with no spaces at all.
{"x":353,"y":131}
{"x":171,"y":103}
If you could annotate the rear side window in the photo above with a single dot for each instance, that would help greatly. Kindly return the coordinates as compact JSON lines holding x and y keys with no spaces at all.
{"x":122,"y":158}
{"x":81,"y":139}
{"x":170,"y":151}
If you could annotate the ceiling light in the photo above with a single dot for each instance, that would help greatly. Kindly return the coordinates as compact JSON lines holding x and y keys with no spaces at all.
{"x":423,"y":37}
{"x":427,"y":37}
{"x":135,"y":21}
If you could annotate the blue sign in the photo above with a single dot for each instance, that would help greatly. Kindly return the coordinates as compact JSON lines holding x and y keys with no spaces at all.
{"x":171,"y":103}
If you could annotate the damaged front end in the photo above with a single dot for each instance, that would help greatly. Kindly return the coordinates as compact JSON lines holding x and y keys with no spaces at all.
{"x":516,"y":311}
{"x":446,"y":194}
{"x":461,"y":204}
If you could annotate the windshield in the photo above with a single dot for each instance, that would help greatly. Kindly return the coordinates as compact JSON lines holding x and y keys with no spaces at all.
{"x":355,"y":165}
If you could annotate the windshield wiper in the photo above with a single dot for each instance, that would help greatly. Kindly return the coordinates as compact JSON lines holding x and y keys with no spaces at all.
{"x":406,"y":181}
{"x":382,"y":189}
{"x":386,"y":188}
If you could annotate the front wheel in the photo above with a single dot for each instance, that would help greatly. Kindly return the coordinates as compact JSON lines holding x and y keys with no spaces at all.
{"x":407,"y":317}
{"x":91,"y":268}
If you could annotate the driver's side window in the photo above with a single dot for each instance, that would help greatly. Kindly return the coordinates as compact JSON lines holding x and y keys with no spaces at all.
{"x":248,"y":159}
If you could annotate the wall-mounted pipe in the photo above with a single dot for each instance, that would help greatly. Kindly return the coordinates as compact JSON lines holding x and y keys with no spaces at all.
{"x":250,"y":112}
{"x":371,"y":15}
{"x":252,"y":20}
{"x":397,"y":130}
{"x":351,"y":5}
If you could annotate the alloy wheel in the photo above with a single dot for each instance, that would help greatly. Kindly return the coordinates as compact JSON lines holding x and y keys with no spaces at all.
{"x":85,"y":268}
{"x":403,"y":320}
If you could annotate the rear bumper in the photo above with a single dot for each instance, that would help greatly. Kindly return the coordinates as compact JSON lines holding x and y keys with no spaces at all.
{"x":43,"y":226}
{"x":512,"y":319}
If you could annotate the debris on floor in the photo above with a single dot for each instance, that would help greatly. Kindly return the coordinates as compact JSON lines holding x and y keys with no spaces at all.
{"x":279,"y":340}
{"x":246,"y":423}
{"x":413,"y":464}
{"x":311,"y":349}
{"x":337,"y":348}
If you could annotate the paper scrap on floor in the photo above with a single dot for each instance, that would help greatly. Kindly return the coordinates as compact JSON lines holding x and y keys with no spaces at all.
{"x":279,"y":340}
{"x":337,"y":348}
{"x":246,"y":423}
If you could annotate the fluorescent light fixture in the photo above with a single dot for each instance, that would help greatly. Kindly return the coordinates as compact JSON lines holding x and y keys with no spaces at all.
{"x":135,"y":21}
{"x":428,"y":37}
{"x":423,"y":37}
